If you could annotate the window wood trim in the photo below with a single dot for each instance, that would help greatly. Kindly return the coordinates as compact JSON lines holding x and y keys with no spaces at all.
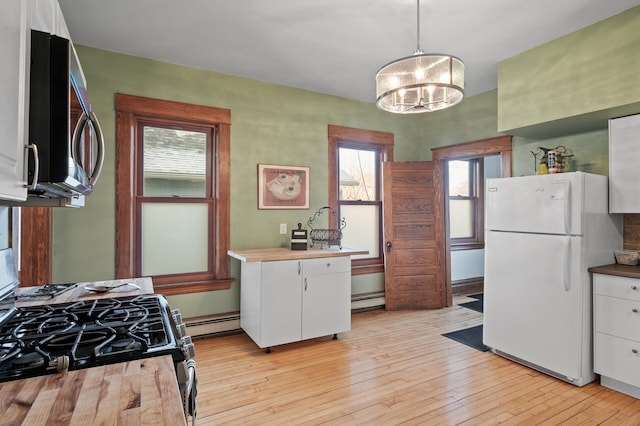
{"x":366,"y":138}
{"x":128,"y":109}
{"x":499,"y":145}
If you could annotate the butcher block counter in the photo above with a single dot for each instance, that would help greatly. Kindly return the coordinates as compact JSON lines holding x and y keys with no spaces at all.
{"x":81,"y":293}
{"x":271,"y":254}
{"x":129,"y":393}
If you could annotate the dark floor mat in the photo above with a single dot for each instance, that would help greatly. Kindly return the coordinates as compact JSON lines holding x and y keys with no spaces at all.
{"x":479,"y":296}
{"x":469,"y":336}
{"x":476,"y":305}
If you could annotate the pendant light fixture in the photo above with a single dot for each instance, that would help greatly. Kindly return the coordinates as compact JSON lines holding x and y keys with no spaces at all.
{"x":422,"y":82}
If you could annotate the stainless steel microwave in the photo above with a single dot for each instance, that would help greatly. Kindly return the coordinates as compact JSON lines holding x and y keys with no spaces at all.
{"x":66,"y":148}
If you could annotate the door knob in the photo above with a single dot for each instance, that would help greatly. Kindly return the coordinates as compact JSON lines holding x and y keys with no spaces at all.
{"x":388,"y":245}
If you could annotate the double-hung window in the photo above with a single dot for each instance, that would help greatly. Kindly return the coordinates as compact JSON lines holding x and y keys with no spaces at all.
{"x":464,"y":189}
{"x":355,"y":190}
{"x":172,"y":184}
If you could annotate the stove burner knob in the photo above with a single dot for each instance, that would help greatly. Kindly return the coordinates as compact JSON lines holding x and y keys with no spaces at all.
{"x":182,"y":330}
{"x":177,"y":316}
{"x":188,"y":347}
{"x":189,"y":351}
{"x":61,"y":363}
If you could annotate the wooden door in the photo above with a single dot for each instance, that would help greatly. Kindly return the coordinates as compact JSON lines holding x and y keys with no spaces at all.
{"x":414,"y":236}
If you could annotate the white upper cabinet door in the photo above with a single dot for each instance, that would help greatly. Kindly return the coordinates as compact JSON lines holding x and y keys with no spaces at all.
{"x":14,"y":97}
{"x":46,"y":16}
{"x":624,"y":162}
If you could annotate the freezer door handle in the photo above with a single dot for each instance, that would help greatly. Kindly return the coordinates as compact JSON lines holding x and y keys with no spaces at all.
{"x":567,"y":264}
{"x":567,"y":208}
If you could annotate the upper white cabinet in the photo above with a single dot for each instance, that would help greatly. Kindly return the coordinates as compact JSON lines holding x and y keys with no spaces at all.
{"x":14,"y":97}
{"x":624,"y":164}
{"x":46,"y":16}
{"x":17,"y":19}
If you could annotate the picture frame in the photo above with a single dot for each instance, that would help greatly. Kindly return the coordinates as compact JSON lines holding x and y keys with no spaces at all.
{"x":283,"y":187}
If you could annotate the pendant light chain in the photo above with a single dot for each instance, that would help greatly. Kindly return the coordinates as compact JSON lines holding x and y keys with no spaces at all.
{"x":418,"y":49}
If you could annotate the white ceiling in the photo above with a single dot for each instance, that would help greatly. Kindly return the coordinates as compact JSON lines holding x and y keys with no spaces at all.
{"x":328,"y":46}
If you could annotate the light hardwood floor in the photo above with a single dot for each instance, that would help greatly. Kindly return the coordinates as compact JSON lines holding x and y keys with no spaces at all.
{"x":391,"y":368}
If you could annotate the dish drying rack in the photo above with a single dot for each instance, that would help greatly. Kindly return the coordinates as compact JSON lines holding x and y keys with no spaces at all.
{"x":326,"y":236}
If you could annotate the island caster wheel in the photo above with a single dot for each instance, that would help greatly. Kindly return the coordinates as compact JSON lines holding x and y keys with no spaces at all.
{"x":335,"y":336}
{"x":267,"y":351}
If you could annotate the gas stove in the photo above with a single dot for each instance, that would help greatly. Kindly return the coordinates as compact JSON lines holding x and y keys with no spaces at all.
{"x":45,"y":339}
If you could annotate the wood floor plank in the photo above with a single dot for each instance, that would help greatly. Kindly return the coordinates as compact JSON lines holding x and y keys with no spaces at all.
{"x":391,"y":368}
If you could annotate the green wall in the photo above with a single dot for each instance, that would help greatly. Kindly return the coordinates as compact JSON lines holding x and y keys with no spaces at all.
{"x":573,"y":83}
{"x":270,"y":124}
{"x":476,"y":118}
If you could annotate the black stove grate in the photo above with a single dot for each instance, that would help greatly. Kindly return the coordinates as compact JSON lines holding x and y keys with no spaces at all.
{"x":43,"y":340}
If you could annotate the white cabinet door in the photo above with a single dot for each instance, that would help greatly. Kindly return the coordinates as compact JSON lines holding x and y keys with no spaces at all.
{"x":281,"y":302}
{"x":14,"y":97}
{"x":46,"y":16}
{"x":624,"y":157}
{"x":326,"y":297}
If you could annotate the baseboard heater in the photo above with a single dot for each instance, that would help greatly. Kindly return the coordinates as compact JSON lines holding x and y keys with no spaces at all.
{"x":230,"y":323}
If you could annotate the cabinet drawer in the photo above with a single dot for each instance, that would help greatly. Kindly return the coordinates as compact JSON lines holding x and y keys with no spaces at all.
{"x":615,"y":357}
{"x":623,"y":287}
{"x":618,"y":317}
{"x":327,"y":265}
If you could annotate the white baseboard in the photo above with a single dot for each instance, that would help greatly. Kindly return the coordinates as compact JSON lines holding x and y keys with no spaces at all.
{"x":203,"y":326}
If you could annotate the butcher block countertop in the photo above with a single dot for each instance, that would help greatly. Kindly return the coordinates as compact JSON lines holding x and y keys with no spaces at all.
{"x":628,"y":271}
{"x":129,"y":393}
{"x":80,"y":293}
{"x":269,"y":254}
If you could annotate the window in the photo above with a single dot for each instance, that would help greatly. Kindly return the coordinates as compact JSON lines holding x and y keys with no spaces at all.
{"x":493,"y":159}
{"x":172,"y":194}
{"x":355,"y":176}
{"x":465,"y":201}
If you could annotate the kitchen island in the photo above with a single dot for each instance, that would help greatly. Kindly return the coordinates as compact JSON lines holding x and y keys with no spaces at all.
{"x":292,"y":295}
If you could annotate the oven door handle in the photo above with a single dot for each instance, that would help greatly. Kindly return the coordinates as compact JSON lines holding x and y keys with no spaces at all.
{"x":191,"y":391}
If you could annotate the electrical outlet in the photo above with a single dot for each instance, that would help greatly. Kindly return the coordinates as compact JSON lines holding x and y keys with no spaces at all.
{"x":283,"y":228}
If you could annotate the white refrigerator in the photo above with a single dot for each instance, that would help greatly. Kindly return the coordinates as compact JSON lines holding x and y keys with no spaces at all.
{"x":542,"y":233}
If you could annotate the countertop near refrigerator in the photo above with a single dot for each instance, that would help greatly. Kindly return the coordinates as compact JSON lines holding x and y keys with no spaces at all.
{"x":130,"y":393}
{"x":628,"y":271}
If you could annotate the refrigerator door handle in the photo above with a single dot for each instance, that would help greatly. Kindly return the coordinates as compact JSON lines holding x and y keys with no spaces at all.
{"x":567,"y":264}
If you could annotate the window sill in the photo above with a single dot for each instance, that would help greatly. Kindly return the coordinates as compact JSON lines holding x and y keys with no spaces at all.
{"x":172,"y":289}
{"x":469,"y":246}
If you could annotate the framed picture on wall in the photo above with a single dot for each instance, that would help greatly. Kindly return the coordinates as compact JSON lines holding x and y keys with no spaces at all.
{"x":283,"y":187}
